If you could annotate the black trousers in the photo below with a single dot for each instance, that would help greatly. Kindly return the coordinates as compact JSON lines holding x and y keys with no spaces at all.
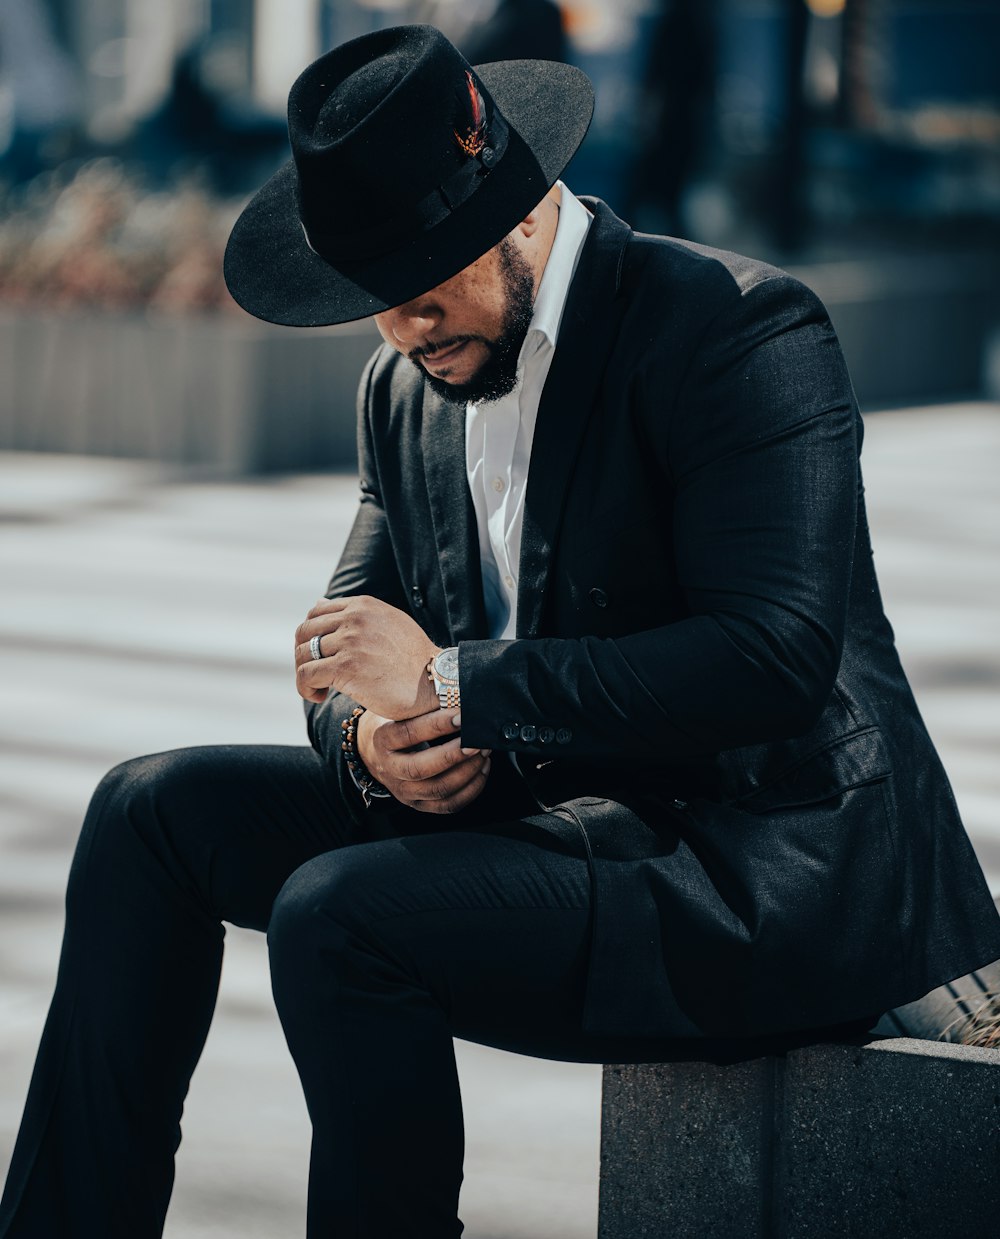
{"x":386,"y":941}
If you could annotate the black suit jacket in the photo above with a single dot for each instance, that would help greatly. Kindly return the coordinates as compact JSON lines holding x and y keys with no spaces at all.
{"x":704,"y":679}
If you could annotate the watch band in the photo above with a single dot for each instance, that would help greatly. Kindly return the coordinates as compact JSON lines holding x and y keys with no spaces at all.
{"x":442,"y":671}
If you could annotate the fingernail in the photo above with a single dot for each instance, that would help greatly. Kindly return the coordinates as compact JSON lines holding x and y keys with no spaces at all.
{"x":469,"y":752}
{"x":486,"y":752}
{"x":457,"y":721}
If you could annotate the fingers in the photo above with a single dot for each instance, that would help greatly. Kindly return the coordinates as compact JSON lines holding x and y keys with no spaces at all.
{"x":322,"y":621}
{"x":320,"y":626}
{"x":436,"y":771}
{"x":425,"y":774}
{"x":327,"y":606}
{"x":303,"y":657}
{"x":449,"y":783}
{"x":304,"y":635}
{"x":421,"y":729}
{"x":337,"y":606}
{"x":309,"y":676}
{"x":328,"y":614}
{"x":450,"y":801}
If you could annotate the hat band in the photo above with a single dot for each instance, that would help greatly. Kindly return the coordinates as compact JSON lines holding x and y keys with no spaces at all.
{"x":421,"y":217}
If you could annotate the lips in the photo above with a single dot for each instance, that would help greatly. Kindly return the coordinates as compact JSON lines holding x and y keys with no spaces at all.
{"x":442,"y":358}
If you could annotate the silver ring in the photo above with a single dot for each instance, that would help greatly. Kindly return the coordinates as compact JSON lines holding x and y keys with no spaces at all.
{"x":314,"y":649}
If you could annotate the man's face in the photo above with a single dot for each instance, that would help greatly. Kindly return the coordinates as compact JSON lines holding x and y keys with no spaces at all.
{"x":465,"y":335}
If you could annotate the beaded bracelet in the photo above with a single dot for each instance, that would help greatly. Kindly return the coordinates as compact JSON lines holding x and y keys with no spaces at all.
{"x":369,"y":787}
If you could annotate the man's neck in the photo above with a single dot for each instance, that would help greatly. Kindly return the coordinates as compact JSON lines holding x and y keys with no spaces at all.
{"x":547,"y":229}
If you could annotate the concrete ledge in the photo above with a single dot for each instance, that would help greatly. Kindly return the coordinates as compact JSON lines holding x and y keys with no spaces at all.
{"x":237,"y":396}
{"x":229,"y":394}
{"x":898,"y":1138}
{"x":911,"y":330}
{"x":685,"y":1150}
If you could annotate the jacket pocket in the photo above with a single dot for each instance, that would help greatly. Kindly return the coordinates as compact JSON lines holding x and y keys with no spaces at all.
{"x":851,"y":761}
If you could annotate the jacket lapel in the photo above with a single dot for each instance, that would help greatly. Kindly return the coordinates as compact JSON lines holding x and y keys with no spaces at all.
{"x":586,"y":334}
{"x":442,"y":436}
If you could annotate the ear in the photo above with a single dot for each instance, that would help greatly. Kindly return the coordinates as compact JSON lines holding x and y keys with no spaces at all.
{"x":529,"y":225}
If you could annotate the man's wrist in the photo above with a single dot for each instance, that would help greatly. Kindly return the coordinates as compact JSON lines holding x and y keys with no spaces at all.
{"x":362,"y":778}
{"x":426,"y":694}
{"x":362,"y":737}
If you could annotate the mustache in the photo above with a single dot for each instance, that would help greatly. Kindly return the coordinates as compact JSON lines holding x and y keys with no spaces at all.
{"x":439,"y":346}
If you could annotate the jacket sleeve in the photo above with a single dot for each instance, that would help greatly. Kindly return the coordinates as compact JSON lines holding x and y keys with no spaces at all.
{"x":367,"y":566}
{"x":759,"y":451}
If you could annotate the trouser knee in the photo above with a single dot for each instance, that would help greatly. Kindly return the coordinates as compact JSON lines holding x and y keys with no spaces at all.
{"x":140,"y":807}
{"x":122,"y":795}
{"x":322,"y":935}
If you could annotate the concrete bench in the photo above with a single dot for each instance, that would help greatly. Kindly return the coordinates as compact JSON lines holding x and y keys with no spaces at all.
{"x":897,"y":1138}
{"x":224,"y":392}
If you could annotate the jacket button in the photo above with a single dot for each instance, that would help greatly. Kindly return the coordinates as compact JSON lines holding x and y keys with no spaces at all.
{"x":546,"y":735}
{"x":528,"y":733}
{"x":417,"y":596}
{"x":679,"y":804}
{"x":598,"y":597}
{"x":563,"y":735}
{"x":511,"y":731}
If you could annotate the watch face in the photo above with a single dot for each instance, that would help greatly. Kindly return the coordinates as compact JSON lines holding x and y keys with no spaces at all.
{"x":446,"y":664}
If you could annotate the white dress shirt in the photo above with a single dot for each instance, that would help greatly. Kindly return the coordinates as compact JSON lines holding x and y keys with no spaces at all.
{"x":498,"y":433}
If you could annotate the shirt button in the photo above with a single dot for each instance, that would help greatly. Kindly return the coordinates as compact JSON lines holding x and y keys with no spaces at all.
{"x":563,"y":735}
{"x":417,"y":596}
{"x":598,"y":597}
{"x":511,"y":731}
{"x":528,"y":733}
{"x":509,"y":581}
{"x":546,"y":735}
{"x":498,"y":485}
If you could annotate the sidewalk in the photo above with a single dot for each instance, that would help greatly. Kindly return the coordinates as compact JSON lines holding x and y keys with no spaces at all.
{"x":144,"y":611}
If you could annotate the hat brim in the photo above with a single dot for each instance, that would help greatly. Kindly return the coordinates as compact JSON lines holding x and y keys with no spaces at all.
{"x":274,"y":275}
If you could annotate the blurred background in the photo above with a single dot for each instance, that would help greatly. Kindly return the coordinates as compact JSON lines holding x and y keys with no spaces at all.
{"x":854,"y":141}
{"x":177,"y":479}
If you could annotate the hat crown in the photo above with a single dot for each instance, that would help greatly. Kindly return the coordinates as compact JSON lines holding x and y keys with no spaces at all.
{"x":373,"y":129}
{"x":407,"y":165}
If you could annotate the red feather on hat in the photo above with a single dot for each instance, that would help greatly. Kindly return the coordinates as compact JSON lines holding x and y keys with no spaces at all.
{"x":474,"y":138}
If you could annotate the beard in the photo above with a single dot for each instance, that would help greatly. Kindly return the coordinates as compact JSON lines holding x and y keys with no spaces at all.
{"x":497,"y":376}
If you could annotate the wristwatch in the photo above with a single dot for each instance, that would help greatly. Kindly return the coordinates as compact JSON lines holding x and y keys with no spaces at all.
{"x":442,"y":671}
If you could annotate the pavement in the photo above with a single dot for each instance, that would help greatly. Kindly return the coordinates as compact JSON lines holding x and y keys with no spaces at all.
{"x":144,"y":609}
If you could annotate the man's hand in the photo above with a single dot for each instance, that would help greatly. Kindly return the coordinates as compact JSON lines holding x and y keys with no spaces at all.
{"x":433,"y":778}
{"x":374,"y":653}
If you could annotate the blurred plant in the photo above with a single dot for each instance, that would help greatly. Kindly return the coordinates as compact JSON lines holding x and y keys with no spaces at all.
{"x":97,"y":239}
{"x":980,"y":1026}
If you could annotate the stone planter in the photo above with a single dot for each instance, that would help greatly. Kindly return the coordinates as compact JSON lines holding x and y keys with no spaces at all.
{"x":229,"y":394}
{"x":238,"y":396}
{"x":898,"y":1138}
{"x":912,"y":331}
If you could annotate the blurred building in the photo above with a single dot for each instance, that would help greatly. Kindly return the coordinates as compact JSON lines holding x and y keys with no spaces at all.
{"x":774,"y":110}
{"x":856,"y":142}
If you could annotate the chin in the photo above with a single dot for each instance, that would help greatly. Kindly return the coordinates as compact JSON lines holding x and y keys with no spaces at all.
{"x":480,"y":388}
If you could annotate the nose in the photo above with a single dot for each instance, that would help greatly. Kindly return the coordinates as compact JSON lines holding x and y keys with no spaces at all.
{"x":413,"y":324}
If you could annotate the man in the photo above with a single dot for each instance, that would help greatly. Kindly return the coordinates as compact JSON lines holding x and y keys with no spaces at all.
{"x":612,"y":754}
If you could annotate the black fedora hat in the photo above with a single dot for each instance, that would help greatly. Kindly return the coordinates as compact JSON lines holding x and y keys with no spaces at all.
{"x":407,"y":165}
